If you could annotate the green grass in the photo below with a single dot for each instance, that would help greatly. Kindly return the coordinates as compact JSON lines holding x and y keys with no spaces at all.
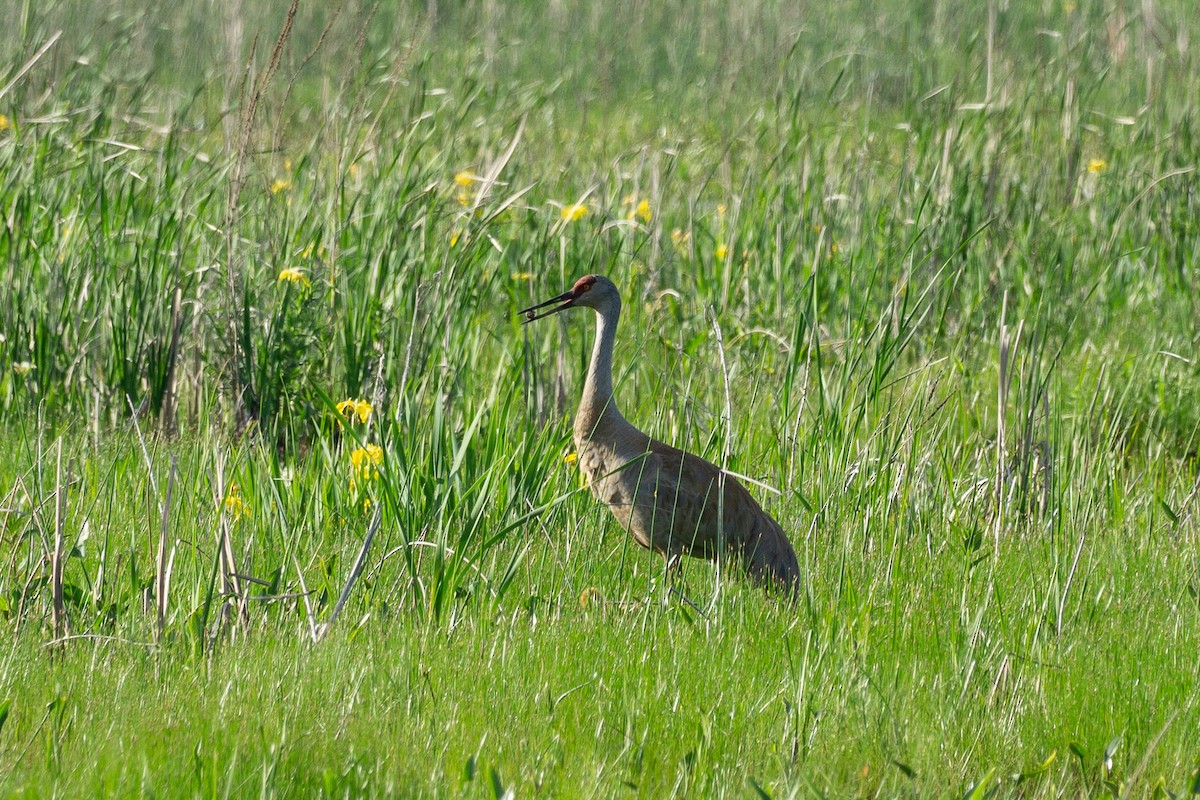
{"x":953,"y":263}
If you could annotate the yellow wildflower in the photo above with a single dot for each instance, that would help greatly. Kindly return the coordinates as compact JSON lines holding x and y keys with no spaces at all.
{"x":1097,"y":165}
{"x":235,"y":505}
{"x":721,"y":251}
{"x":463,"y":197}
{"x":573,"y":460}
{"x":359,"y":408}
{"x":721,"y":209}
{"x":366,"y":461}
{"x":24,"y":367}
{"x":679,"y":239}
{"x":4,"y":123}
{"x":454,"y":239}
{"x":637,"y":209}
{"x":522,"y":276}
{"x":643,"y":211}
{"x":464,"y":179}
{"x":574,"y":212}
{"x":280,"y":185}
{"x":293,"y":275}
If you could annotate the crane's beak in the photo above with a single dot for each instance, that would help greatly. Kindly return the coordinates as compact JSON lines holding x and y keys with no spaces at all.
{"x":566,"y":298}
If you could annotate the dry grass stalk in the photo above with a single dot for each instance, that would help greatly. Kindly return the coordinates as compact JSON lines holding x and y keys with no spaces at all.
{"x":162,"y":585}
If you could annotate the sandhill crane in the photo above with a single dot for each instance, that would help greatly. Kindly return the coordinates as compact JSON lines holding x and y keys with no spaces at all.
{"x":669,"y":501}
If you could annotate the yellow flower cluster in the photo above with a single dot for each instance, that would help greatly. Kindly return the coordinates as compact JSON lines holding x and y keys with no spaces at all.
{"x":637,"y":209}
{"x":722,"y":249}
{"x":465,"y":180}
{"x":236,"y":506}
{"x":365,"y":462}
{"x":4,"y":123}
{"x":354,"y":407}
{"x":293,"y":275}
{"x":574,"y":212}
{"x":680,"y":238}
{"x":280,"y":185}
{"x":1097,"y":165}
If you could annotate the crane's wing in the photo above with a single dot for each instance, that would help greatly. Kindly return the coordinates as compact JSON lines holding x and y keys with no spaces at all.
{"x":710,"y":511}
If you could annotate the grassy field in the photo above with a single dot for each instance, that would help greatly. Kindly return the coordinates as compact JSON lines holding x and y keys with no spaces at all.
{"x":941,"y":266}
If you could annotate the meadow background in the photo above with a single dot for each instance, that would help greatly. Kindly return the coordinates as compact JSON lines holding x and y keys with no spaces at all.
{"x":928,"y":271}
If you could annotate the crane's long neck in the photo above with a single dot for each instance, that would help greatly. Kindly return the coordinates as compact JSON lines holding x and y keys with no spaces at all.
{"x":598,"y":405}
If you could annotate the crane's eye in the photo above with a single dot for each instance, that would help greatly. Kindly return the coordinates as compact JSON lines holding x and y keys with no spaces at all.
{"x":585,"y":287}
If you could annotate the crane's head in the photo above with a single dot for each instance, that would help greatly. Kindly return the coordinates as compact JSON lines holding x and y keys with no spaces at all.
{"x":593,"y":291}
